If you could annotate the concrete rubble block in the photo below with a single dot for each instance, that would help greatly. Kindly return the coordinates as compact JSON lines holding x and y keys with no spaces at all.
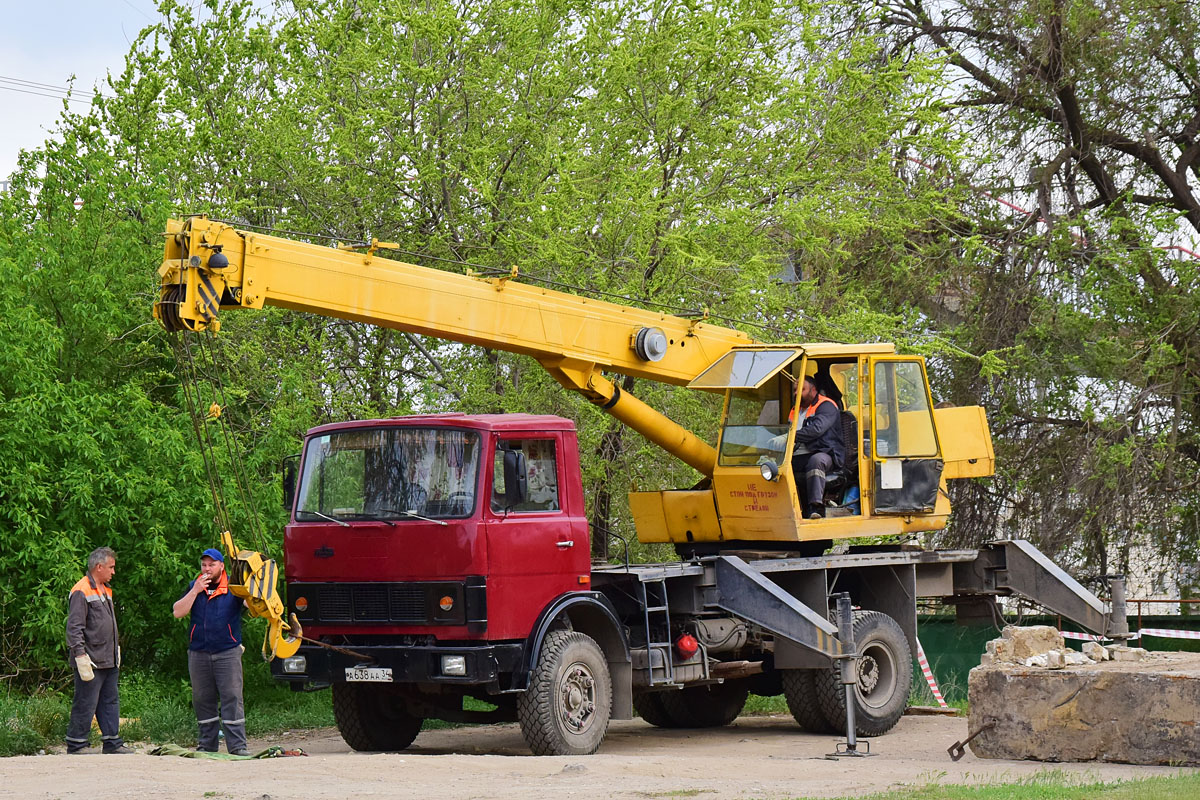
{"x":1119,"y":653}
{"x":1032,"y":640}
{"x":1095,"y":651}
{"x":1074,"y":658}
{"x":1000,"y":649}
{"x":1055,"y":660}
{"x":1141,"y":712}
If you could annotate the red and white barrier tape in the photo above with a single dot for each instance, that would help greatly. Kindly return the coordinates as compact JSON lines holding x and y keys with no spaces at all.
{"x":1167,"y":633}
{"x":1164,"y":633}
{"x":924,"y":662}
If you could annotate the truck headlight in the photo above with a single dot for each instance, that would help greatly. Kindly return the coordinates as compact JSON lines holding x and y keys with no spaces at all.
{"x":454,"y":665}
{"x":297,"y":665}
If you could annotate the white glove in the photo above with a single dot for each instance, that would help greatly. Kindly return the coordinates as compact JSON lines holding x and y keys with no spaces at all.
{"x":777,"y":442}
{"x":84,"y":665}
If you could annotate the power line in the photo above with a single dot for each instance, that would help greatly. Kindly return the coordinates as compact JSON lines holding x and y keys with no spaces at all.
{"x":35,"y":84}
{"x":48,"y":90}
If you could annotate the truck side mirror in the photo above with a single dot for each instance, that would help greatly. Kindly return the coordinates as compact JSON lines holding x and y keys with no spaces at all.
{"x":516,"y":489}
{"x":288,"y":468}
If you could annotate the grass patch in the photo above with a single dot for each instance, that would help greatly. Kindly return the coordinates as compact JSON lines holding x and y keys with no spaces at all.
{"x":158,"y":709}
{"x":762,"y":706}
{"x":28,"y":724}
{"x":1052,"y":785}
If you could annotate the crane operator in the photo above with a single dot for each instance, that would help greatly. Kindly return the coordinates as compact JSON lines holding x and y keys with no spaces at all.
{"x":819,"y":447}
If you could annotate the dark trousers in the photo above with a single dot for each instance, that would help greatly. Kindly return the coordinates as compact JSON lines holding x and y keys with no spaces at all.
{"x":95,"y":698}
{"x":810,"y":469}
{"x":217,"y":678}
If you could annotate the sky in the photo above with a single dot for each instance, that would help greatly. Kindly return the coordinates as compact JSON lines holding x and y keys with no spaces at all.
{"x":47,"y":42}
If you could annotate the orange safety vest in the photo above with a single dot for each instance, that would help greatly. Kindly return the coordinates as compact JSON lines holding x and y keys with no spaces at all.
{"x":84,"y":585}
{"x":222,"y":585}
{"x":808,"y":412}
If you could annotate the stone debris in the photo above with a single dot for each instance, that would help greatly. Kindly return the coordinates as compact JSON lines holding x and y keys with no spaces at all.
{"x":1122,"y":653}
{"x":1032,"y":640}
{"x":1043,"y":647}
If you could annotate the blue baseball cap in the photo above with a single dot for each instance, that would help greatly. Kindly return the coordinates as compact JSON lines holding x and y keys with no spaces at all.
{"x":214,"y":554}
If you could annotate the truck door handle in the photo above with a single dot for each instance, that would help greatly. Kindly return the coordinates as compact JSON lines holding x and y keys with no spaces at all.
{"x":565,"y":544}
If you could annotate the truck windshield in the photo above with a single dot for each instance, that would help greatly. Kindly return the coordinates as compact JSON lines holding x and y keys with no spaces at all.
{"x":389,"y":474}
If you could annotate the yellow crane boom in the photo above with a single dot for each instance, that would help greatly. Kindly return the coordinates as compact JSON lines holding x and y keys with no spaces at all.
{"x":210,"y":267}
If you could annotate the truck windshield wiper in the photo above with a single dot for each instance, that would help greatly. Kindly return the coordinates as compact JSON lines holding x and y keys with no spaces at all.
{"x":326,"y":516}
{"x":376,"y":518}
{"x":414,"y":515}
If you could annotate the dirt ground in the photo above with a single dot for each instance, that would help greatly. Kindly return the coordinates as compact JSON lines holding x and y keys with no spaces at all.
{"x":756,"y":757}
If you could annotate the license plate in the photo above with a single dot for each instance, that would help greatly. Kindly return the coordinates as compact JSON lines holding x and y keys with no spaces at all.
{"x":369,"y":674}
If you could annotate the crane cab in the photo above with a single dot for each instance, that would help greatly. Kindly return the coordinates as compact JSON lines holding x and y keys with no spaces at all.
{"x":899,"y":450}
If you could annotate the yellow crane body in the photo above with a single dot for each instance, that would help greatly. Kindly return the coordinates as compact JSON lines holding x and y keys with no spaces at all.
{"x":904,"y":448}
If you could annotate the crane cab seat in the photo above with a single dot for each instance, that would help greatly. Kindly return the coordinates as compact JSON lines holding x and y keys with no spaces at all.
{"x":838,"y":484}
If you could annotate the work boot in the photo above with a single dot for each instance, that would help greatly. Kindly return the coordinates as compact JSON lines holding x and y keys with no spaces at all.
{"x":816,"y":511}
{"x":242,"y":752}
{"x":123,"y":750}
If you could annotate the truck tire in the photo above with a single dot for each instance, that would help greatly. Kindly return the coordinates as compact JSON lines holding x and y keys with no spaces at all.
{"x":884,"y":677}
{"x":566,"y":708}
{"x":649,"y":707}
{"x":705,"y":706}
{"x":800,"y":691}
{"x":372,"y":718}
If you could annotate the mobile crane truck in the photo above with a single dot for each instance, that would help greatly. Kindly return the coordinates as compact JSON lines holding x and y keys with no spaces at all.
{"x":438,"y":557}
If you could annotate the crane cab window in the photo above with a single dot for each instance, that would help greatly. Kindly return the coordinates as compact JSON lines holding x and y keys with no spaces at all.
{"x":541,"y":475}
{"x":903,"y":417}
{"x":756,"y":422}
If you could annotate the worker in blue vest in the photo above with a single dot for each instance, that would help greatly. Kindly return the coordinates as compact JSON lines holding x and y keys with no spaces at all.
{"x":215,"y":655}
{"x":819,"y":448}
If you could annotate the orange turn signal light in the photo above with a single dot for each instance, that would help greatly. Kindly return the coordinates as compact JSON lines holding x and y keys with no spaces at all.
{"x":301,"y":603}
{"x":446,"y":603}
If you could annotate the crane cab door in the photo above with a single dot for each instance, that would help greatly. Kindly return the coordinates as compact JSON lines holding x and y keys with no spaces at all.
{"x":901,"y":440}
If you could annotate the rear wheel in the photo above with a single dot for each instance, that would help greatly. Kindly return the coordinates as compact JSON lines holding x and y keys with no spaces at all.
{"x":800,"y":691}
{"x":705,"y":706}
{"x":884,"y":677}
{"x":566,"y":708}
{"x":649,"y":707}
{"x":373,"y":717}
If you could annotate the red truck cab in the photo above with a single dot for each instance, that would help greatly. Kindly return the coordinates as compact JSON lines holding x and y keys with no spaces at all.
{"x":401,"y":527}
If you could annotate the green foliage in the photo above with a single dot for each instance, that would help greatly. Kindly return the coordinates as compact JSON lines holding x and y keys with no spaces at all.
{"x":29,"y":724}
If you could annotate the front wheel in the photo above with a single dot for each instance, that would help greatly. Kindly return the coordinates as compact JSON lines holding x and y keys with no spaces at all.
{"x":566,"y":709}
{"x":884,"y":677}
{"x":373,"y":718}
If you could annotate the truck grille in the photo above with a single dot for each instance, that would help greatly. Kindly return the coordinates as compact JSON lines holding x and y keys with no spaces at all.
{"x":407,"y":603}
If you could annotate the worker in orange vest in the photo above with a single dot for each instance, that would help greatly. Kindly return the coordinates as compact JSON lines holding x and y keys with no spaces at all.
{"x":95,"y":656}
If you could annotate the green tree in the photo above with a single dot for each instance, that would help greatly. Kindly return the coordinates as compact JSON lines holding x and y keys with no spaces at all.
{"x":1088,"y":115}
